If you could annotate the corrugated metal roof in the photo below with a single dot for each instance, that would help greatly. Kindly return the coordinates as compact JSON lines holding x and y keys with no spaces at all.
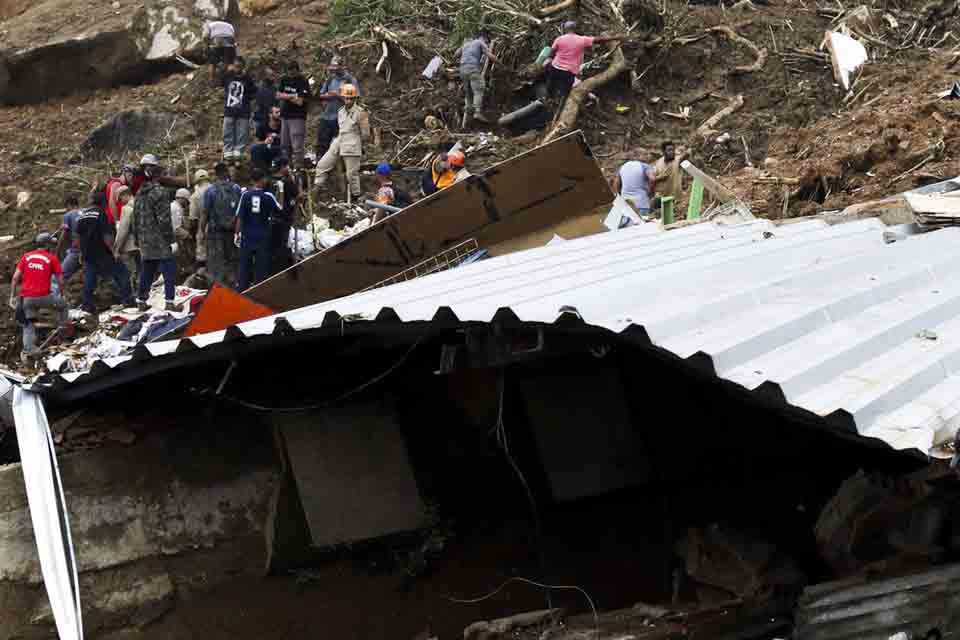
{"x":838,"y":319}
{"x":913,"y":604}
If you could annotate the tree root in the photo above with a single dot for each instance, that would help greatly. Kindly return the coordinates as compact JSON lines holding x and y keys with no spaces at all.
{"x":759,"y":52}
{"x":707,"y":128}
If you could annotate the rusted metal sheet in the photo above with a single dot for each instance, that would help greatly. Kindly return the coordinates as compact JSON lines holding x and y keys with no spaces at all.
{"x":915,"y":604}
{"x":529,"y":192}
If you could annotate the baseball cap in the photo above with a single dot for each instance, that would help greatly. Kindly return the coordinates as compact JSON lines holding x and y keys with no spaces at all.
{"x":183,"y":193}
{"x":384,"y":169}
{"x":150,"y":159}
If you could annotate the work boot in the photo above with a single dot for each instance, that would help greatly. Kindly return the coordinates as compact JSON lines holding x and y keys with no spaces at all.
{"x":170,"y":306}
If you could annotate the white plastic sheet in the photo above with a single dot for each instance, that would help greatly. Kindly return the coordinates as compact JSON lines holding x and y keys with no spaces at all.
{"x":848,"y":54}
{"x":48,"y":512}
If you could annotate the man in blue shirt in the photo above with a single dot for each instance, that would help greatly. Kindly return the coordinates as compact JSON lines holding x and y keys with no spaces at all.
{"x":256,"y":209}
{"x":329,"y":95}
{"x":68,"y":243}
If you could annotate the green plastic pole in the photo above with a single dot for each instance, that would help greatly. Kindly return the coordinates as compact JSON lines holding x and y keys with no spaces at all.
{"x":666,"y":205}
{"x":696,"y":200}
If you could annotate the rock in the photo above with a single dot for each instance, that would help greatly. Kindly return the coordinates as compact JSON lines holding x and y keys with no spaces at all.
{"x":129,"y":130}
{"x":56,"y":47}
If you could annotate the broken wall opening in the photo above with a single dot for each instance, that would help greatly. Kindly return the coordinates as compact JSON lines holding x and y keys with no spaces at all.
{"x":624,"y":452}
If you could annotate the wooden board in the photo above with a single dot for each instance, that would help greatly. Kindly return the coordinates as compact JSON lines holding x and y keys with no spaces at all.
{"x":933,"y":205}
{"x":533,"y":191}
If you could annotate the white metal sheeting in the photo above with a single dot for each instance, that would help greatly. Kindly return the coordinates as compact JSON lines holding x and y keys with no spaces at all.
{"x":836,"y":317}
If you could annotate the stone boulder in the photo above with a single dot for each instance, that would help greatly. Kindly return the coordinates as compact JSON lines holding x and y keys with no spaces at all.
{"x":130,"y":130}
{"x":57,"y":47}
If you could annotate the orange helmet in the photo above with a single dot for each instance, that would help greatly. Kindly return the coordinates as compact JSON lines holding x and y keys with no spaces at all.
{"x":348,"y":91}
{"x":456,"y":158}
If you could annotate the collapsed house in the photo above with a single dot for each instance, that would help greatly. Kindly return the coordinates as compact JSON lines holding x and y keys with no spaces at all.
{"x":729,"y":384}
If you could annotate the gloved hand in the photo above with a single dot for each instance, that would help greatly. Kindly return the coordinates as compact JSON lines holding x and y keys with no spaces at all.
{"x":174,"y":248}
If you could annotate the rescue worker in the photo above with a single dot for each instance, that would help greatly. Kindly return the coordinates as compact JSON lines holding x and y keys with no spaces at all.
{"x":668,"y":173}
{"x":472,"y":54}
{"x":68,"y":242}
{"x":198,"y":216}
{"x":444,"y":170}
{"x":37,"y":270}
{"x":153,"y":230}
{"x":125,"y":248}
{"x":220,"y":205}
{"x":285,"y":189}
{"x":354,"y":126}
{"x":97,"y":239}
{"x":329,"y":95}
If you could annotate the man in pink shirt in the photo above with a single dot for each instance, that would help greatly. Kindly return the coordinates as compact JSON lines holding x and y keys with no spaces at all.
{"x":567,"y":57}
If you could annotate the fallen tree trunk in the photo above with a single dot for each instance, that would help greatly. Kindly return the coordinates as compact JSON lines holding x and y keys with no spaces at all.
{"x":567,"y":119}
{"x":554,"y":8}
{"x":759,"y":53}
{"x":706,"y":129}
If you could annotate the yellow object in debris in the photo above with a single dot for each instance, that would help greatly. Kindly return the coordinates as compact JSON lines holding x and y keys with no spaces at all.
{"x":622,"y":108}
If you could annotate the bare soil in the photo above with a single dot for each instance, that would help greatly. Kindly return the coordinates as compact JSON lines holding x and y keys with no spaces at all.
{"x":794,"y":120}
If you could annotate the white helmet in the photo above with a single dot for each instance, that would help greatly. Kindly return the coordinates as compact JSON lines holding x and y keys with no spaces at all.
{"x":183,"y":193}
{"x":150,"y":159}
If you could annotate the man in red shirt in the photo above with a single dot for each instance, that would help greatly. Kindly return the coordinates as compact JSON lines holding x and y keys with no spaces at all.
{"x":567,"y":58}
{"x":37,"y":269}
{"x":127,"y":178}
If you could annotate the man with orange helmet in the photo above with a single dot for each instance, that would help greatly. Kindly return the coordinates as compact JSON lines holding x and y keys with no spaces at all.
{"x":444,"y":171}
{"x":354,"y":127}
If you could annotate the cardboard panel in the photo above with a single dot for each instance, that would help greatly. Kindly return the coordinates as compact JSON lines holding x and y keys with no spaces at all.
{"x":533,"y":191}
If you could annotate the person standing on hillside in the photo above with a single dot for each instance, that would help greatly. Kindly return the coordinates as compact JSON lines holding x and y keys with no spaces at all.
{"x":154,"y":233}
{"x":68,"y":242}
{"x":220,"y":39}
{"x":198,"y":216}
{"x":37,"y":269}
{"x":293,"y":92}
{"x":329,"y":94}
{"x":97,"y":235}
{"x":567,"y":58}
{"x":266,"y":97}
{"x":472,"y":54}
{"x":255,"y":212}
{"x":126,"y":178}
{"x":636,"y":182}
{"x":285,"y":189}
{"x":668,"y":173}
{"x":353,"y":123}
{"x":239,"y":91}
{"x":220,"y":206}
{"x":125,"y":248}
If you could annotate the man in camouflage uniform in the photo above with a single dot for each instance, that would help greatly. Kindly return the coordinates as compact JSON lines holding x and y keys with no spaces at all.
{"x":220,"y":203}
{"x":153,"y":228}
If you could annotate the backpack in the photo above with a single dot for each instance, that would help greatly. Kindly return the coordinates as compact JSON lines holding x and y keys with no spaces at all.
{"x":221,"y":214}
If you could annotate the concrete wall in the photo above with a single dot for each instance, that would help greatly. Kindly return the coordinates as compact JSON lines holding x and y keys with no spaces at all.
{"x":151,"y":523}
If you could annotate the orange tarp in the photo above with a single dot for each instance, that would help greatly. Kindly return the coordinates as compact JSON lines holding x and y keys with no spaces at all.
{"x":222,"y":308}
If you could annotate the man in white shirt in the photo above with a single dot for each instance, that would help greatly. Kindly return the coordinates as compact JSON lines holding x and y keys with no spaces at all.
{"x":221,"y":40}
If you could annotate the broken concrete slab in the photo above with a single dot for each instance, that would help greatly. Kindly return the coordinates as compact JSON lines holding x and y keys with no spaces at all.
{"x":530,"y":194}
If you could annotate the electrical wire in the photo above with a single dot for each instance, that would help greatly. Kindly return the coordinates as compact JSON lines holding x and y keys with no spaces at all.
{"x":332,"y":401}
{"x":547,"y":587}
{"x":501,"y":434}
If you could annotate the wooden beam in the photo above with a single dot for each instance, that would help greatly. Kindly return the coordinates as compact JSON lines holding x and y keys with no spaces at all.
{"x":719,"y":191}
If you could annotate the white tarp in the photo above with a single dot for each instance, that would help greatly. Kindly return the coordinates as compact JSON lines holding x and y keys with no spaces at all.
{"x":848,"y":56}
{"x":48,"y":512}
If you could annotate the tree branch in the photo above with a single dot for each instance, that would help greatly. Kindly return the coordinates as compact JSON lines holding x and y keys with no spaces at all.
{"x":571,"y":108}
